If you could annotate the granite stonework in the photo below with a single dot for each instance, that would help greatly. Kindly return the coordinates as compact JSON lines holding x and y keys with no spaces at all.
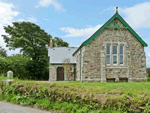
{"x":53,"y":73}
{"x":93,"y":57}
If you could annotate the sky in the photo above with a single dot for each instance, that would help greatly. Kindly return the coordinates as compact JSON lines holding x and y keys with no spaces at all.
{"x":75,"y":20}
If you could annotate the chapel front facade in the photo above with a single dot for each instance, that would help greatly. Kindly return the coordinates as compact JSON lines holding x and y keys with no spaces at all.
{"x":113,"y":55}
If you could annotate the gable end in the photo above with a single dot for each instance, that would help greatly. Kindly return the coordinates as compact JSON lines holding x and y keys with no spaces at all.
{"x":106,"y":26}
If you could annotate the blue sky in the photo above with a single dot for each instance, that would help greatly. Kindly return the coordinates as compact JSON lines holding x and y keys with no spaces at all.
{"x":75,"y":20}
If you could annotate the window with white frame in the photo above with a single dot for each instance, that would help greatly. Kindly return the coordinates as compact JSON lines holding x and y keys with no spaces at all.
{"x":121,"y":54}
{"x":115,"y":54}
{"x":108,"y":54}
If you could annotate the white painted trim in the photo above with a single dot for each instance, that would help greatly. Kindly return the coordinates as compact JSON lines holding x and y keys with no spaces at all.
{"x":118,"y":53}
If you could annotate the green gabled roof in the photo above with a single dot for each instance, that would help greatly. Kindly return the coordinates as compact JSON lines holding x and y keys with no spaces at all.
{"x":116,"y":15}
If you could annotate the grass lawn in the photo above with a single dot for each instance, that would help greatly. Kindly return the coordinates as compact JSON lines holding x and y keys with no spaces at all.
{"x":124,"y":87}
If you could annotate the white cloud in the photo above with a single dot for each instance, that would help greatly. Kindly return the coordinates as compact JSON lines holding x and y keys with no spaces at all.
{"x":46,"y":3}
{"x":20,"y":20}
{"x":30,"y":19}
{"x":80,"y":32}
{"x":138,"y":15}
{"x":46,"y":19}
{"x":107,"y":9}
{"x":6,"y":18}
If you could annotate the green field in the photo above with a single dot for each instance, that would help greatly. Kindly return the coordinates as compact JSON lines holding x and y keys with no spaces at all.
{"x":125,"y":87}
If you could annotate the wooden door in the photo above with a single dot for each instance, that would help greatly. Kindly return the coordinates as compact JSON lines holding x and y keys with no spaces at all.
{"x":60,"y":74}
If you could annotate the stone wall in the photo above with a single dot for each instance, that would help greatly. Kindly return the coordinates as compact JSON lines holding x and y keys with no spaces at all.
{"x":77,"y":58}
{"x":53,"y":73}
{"x":94,"y":66}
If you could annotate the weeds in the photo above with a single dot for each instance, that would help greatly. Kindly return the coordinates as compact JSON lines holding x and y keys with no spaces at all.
{"x":68,"y":97}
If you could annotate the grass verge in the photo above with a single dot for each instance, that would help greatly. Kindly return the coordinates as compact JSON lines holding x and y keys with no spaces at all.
{"x":79,"y":97}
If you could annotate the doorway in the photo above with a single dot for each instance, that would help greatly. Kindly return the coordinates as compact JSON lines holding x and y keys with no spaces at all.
{"x":60,"y":74}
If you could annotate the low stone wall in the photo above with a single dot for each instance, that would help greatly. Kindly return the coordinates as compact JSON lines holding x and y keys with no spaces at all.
{"x":8,"y":81}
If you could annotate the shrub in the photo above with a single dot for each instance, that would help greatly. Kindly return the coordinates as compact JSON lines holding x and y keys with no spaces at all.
{"x":59,"y":96}
{"x":17,"y":64}
{"x":148,"y":71}
{"x":148,"y":78}
{"x":24,"y":68}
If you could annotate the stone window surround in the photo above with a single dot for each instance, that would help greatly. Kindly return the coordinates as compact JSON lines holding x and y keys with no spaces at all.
{"x":118,"y":57}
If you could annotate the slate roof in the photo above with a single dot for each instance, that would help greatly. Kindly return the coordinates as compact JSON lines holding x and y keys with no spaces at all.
{"x":58,"y":54}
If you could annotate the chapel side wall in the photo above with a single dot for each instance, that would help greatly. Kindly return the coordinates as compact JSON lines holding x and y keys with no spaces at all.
{"x":92,"y":60}
{"x":77,"y":58}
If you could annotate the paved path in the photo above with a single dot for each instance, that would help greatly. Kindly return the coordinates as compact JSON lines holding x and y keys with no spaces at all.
{"x":6,"y":107}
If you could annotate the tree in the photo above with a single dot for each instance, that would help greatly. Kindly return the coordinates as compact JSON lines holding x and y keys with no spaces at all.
{"x":31,"y":40}
{"x":3,"y":52}
{"x":29,"y":37}
{"x":148,"y":71}
{"x":58,"y":42}
{"x":17,"y":64}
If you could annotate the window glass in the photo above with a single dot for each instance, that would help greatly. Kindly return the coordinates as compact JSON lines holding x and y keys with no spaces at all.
{"x":108,"y":49}
{"x":114,"y":49}
{"x":121,"y":59}
{"x":114,"y":59}
{"x":121,"y":49}
{"x":108,"y":59}
{"x":121,"y":54}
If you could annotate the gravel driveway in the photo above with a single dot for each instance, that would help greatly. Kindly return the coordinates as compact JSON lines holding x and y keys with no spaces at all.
{"x":6,"y":107}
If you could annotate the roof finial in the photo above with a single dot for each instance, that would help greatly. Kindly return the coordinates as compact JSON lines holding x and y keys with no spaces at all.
{"x":117,"y":9}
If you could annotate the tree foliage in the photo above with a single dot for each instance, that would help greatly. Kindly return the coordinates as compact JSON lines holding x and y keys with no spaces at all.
{"x":31,"y":40}
{"x":24,"y":68}
{"x":148,"y":71}
{"x":17,"y":64}
{"x":29,"y":37}
{"x":58,"y":42}
{"x":3,"y":52}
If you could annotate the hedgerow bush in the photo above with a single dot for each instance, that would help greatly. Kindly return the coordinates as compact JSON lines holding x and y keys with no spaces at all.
{"x":148,"y":71}
{"x":17,"y":64}
{"x":24,"y":68}
{"x":67,"y":98}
